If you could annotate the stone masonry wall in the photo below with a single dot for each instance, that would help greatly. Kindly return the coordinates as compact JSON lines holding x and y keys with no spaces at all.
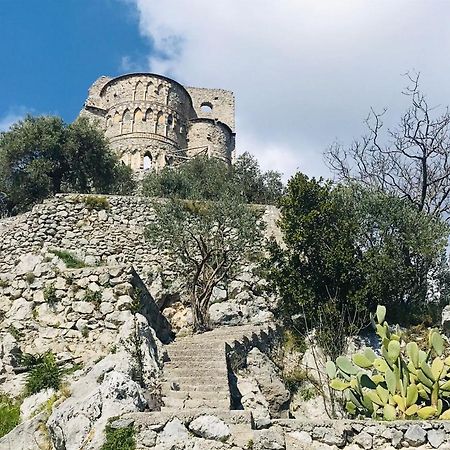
{"x":113,"y":235}
{"x":236,"y":429}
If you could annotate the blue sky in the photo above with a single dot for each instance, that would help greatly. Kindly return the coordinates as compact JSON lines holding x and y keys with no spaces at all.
{"x":304,"y":72}
{"x":52,"y":50}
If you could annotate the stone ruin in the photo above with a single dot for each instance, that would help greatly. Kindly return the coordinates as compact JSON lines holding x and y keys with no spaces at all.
{"x":152,"y":121}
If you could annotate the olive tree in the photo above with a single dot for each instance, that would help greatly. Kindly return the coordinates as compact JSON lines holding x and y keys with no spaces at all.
{"x":208,"y":242}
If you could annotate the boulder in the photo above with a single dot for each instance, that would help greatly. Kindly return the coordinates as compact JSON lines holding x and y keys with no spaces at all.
{"x":225,"y":313}
{"x":264,"y":371}
{"x":34,"y":403}
{"x":173,"y":432}
{"x":436,"y":438}
{"x":210,"y":427}
{"x":415,"y":436}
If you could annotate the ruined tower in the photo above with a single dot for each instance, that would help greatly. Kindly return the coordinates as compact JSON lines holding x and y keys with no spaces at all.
{"x":152,"y":121}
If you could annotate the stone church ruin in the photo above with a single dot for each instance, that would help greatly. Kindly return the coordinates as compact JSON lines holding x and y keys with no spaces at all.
{"x":152,"y":121}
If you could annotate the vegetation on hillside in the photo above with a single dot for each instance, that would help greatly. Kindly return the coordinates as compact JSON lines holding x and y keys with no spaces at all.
{"x":205,"y":178}
{"x":42,"y":156}
{"x":349,"y":248}
{"x":205,"y":227}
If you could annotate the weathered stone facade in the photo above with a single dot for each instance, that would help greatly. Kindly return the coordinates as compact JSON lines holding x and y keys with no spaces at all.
{"x":153,"y":121}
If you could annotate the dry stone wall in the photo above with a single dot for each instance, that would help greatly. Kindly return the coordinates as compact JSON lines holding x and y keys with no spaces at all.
{"x":114,"y":235}
{"x":238,"y":430}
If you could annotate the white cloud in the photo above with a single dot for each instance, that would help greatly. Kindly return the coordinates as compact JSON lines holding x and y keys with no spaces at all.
{"x":304,"y":71}
{"x":9,"y":119}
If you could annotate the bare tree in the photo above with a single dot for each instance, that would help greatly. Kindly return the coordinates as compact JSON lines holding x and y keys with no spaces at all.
{"x":410,"y":160}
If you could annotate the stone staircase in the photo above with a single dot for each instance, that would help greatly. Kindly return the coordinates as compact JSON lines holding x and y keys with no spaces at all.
{"x":195,"y":374}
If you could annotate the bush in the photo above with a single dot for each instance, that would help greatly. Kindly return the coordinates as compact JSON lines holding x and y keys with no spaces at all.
{"x":71,"y":261}
{"x":119,"y":439}
{"x":93,"y":297}
{"x":43,"y":373}
{"x":9,"y":414}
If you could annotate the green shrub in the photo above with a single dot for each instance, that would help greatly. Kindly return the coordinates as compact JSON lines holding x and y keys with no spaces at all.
{"x":9,"y":414}
{"x":95,"y":202}
{"x":43,"y":372}
{"x":50,"y":295}
{"x":71,"y":261}
{"x":405,"y":382}
{"x":119,"y":439}
{"x":4,"y":283}
{"x":94,"y":297}
{"x":30,"y":277}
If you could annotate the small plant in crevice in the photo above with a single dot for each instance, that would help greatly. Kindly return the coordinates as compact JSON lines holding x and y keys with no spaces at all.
{"x":43,"y":372}
{"x":137,"y":299}
{"x":30,"y":277}
{"x":9,"y":414}
{"x":85,"y":331}
{"x":70,"y":260}
{"x":15,"y":333}
{"x":94,"y":297}
{"x":119,"y":438}
{"x":4,"y":283}
{"x":50,"y":295}
{"x":95,"y":202}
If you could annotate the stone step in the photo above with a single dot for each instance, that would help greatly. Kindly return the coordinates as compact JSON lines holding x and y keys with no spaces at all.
{"x":207,"y":365}
{"x":177,"y":403}
{"x":182,"y":372}
{"x":206,"y":395}
{"x":201,"y":386}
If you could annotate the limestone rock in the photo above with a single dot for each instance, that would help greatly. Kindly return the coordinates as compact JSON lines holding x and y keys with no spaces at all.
{"x":436,"y":438}
{"x":225,"y":314}
{"x":27,"y":263}
{"x":28,"y":435}
{"x":272,"y":387}
{"x":174,"y":431}
{"x":34,"y":403}
{"x":415,"y":436}
{"x":364,"y":439}
{"x":210,"y":427}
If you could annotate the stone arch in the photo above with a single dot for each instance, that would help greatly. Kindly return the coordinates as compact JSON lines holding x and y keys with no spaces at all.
{"x":159,"y":89}
{"x":148,"y":90}
{"x":159,"y":125}
{"x":137,"y":120}
{"x":147,"y":160}
{"x":139,"y":91}
{"x":126,"y":121}
{"x":206,"y":107}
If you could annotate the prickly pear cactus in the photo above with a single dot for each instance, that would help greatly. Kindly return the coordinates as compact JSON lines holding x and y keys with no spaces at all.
{"x":403,"y":382}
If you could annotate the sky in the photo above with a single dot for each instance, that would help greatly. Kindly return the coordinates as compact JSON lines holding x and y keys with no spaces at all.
{"x":305,"y":73}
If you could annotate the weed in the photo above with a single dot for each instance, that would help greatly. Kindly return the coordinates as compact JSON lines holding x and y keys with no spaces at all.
{"x":95,"y":202}
{"x":50,"y":295}
{"x":119,"y":439}
{"x":250,"y":444}
{"x":113,"y":349}
{"x":71,"y":261}
{"x":43,"y":372}
{"x":308,"y":393}
{"x":15,"y":333}
{"x":9,"y":414}
{"x":4,"y":283}
{"x":295,"y":379}
{"x":136,"y":305}
{"x":85,"y":331}
{"x":65,"y":390}
{"x":94,"y":297}
{"x":35,"y":313}
{"x":30,"y":277}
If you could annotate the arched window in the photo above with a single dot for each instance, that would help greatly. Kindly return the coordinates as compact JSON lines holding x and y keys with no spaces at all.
{"x":206,"y":107}
{"x":139,"y":91}
{"x":159,"y":89}
{"x":147,"y":163}
{"x":126,"y":121}
{"x":148,"y":115}
{"x":148,"y":90}
{"x":137,"y":120}
{"x":159,"y":125}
